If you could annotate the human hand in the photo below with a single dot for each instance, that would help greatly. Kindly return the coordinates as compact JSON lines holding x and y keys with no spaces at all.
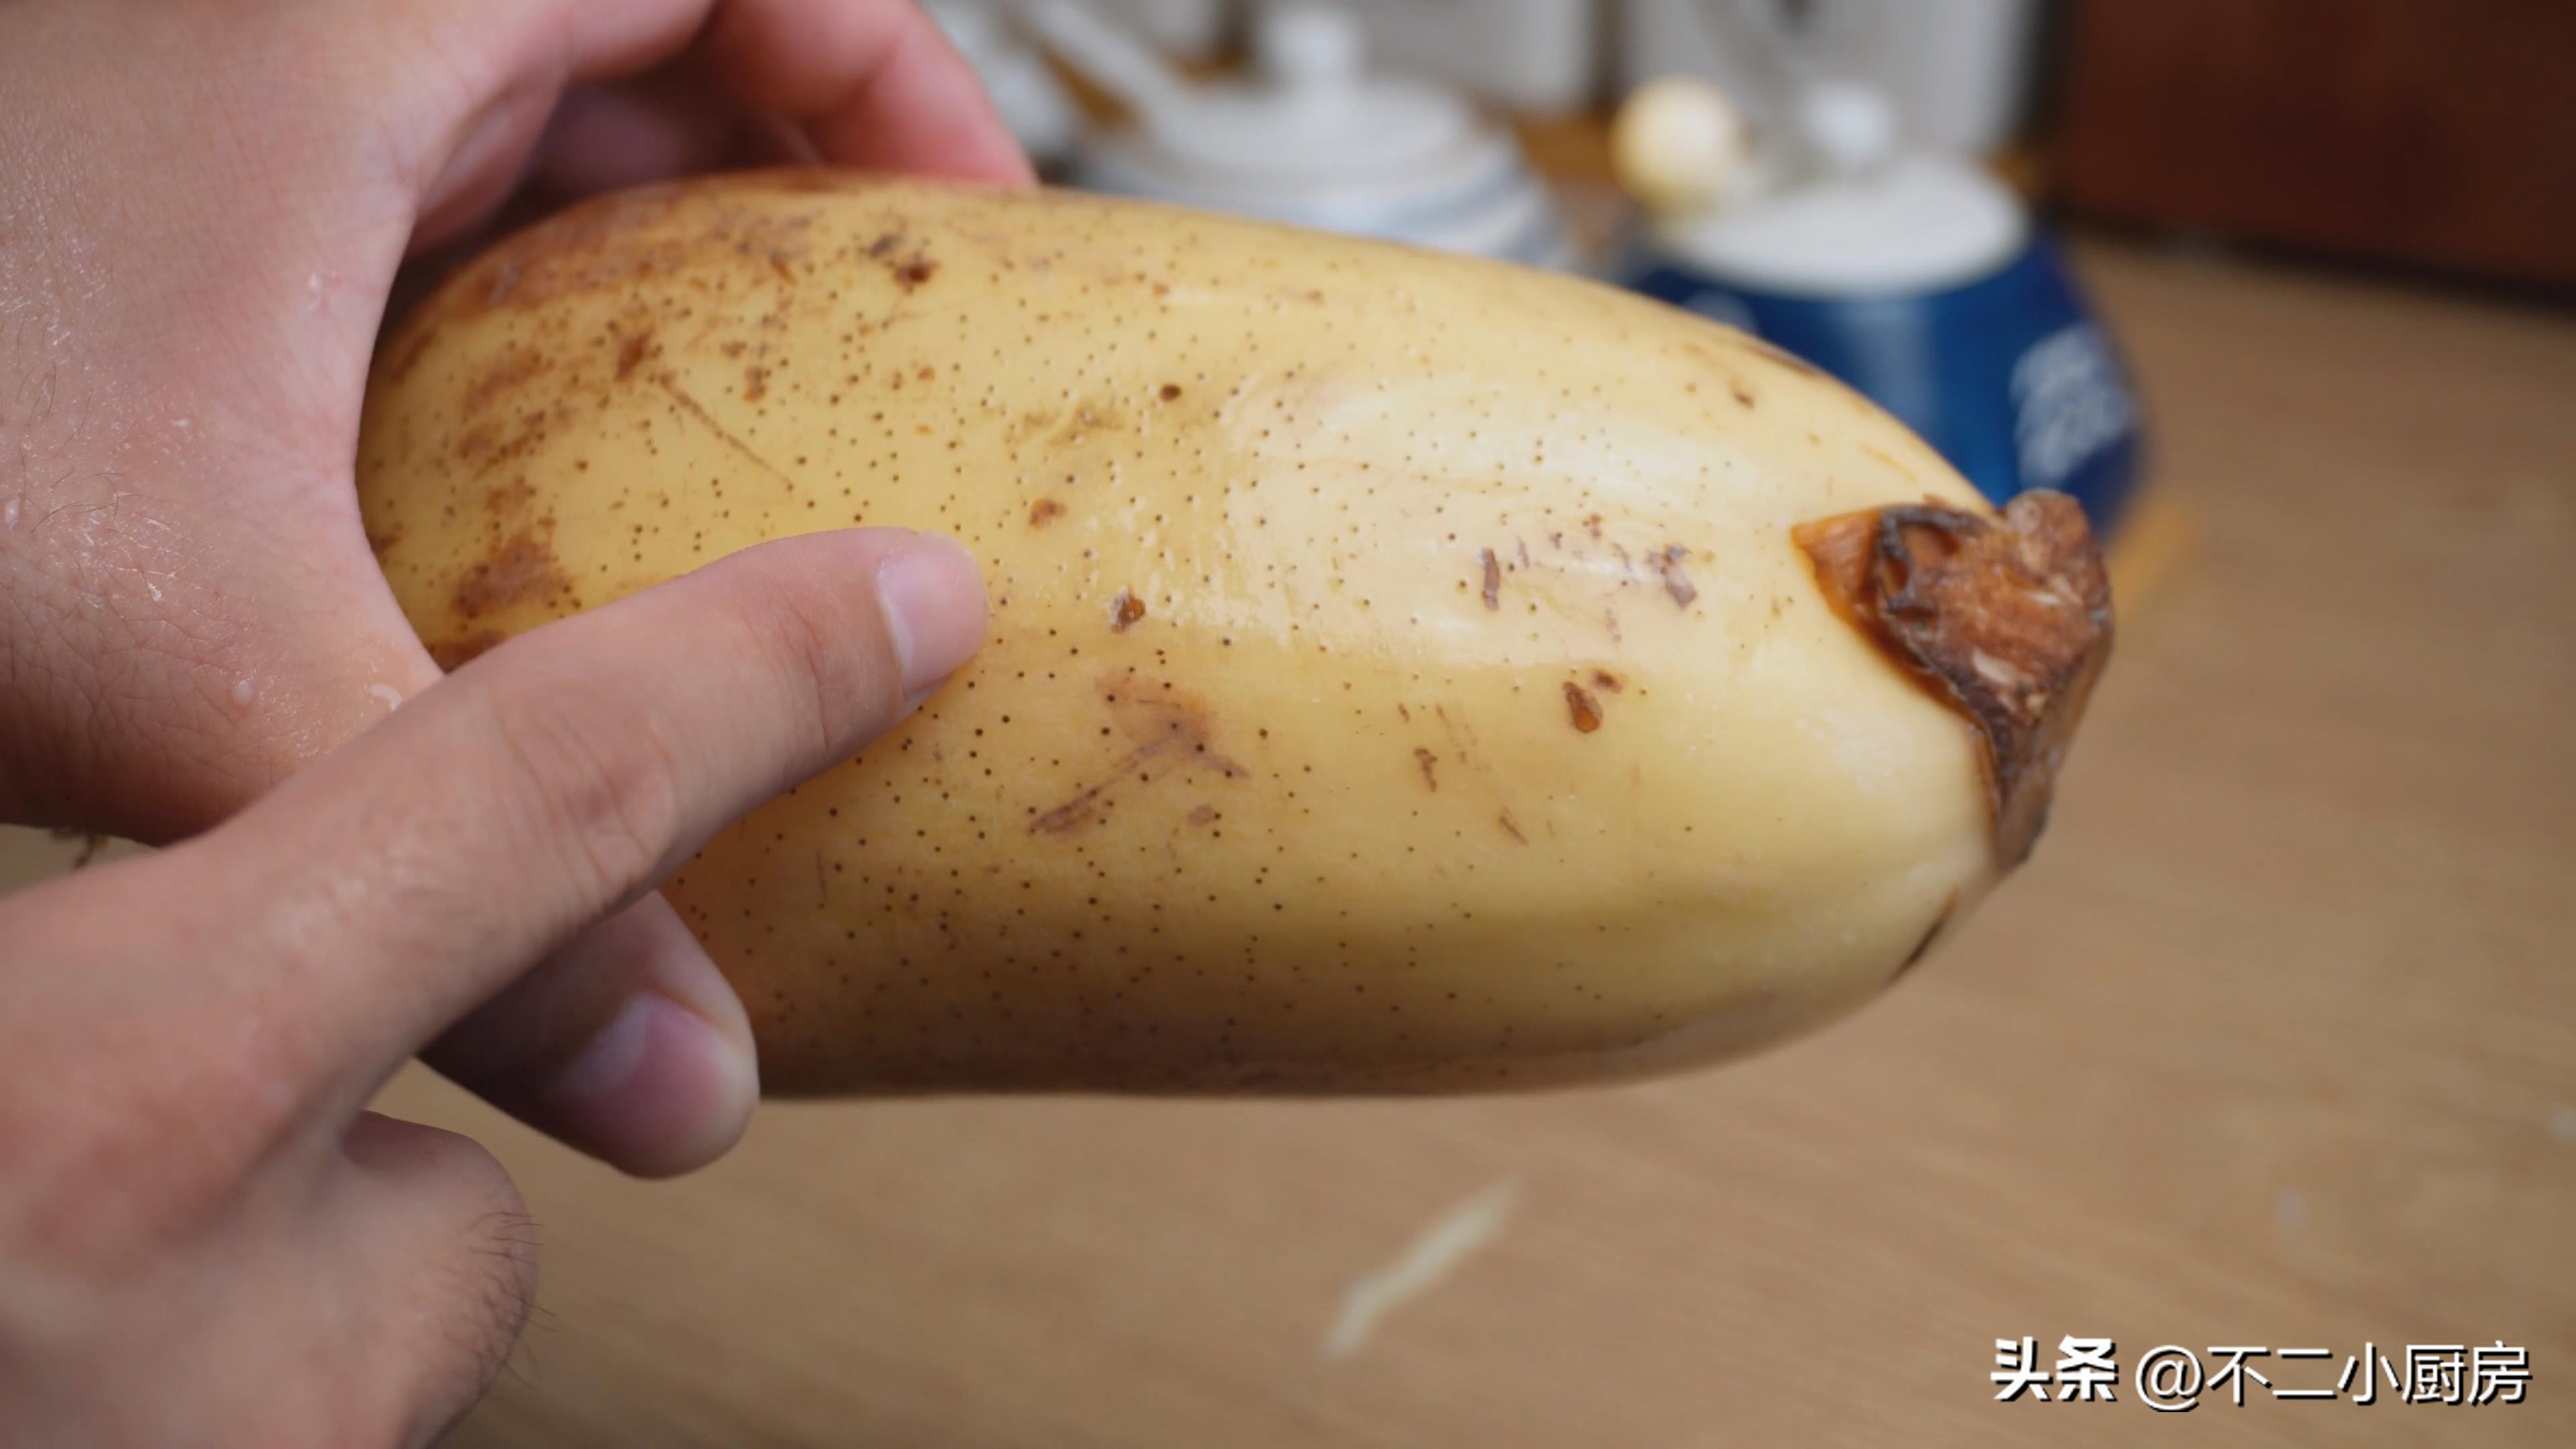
{"x":204,"y":1238}
{"x":203,"y":211}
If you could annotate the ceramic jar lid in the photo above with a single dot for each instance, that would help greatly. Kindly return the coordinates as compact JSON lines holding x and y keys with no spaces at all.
{"x":1041,"y":116}
{"x":1858,"y":216}
{"x":1313,"y":138}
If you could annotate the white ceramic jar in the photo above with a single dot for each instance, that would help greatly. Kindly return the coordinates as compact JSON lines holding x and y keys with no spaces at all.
{"x":1184,"y":29}
{"x":1042,"y":116}
{"x":1315,"y":138}
{"x":1531,"y":57}
{"x":1959,"y":72}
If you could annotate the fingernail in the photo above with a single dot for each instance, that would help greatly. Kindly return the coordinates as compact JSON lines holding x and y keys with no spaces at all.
{"x":658,"y":1090}
{"x":611,"y":1059}
{"x":933,"y":598}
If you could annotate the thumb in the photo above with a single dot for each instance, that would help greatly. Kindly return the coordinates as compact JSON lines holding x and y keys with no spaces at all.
{"x":557,"y":779}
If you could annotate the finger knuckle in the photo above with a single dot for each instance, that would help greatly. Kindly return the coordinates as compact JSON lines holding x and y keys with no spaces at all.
{"x":598,"y":778}
{"x":817,"y":647}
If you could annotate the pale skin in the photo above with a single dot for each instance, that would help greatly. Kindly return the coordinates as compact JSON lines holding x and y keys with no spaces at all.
{"x":204,"y":210}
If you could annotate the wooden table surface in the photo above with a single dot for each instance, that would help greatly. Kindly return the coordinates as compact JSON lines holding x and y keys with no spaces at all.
{"x":2273,"y":1044}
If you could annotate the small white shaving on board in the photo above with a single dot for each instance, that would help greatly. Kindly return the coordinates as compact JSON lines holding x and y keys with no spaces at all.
{"x":1434,"y":1254}
{"x":391,"y":696}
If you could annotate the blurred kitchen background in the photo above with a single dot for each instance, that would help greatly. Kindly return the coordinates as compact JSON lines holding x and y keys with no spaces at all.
{"x":1877,"y":185}
{"x":2396,"y":132}
{"x":2274,"y":1041}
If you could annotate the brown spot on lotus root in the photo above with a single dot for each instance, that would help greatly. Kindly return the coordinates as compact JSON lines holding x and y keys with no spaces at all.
{"x":1493,"y":580}
{"x":631,"y":352}
{"x":509,"y":498}
{"x":518,"y":366}
{"x":521,"y":569}
{"x":1044,"y":512}
{"x":1170,"y":391}
{"x":1603,"y":679}
{"x":1162,"y":724}
{"x":1668,"y":564}
{"x":1585,"y":710}
{"x":1511,"y":827}
{"x":1124,"y":611}
{"x":1428,"y":763}
{"x":481,"y":447}
{"x":909,"y":271}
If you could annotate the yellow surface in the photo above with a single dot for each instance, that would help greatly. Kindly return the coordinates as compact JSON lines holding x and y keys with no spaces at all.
{"x":2271,"y":1045}
{"x":1401,"y":674}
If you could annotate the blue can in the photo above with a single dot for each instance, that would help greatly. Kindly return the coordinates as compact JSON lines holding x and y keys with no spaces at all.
{"x":1999,"y":365}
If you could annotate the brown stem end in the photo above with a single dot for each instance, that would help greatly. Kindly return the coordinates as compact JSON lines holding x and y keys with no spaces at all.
{"x":2006,"y":619}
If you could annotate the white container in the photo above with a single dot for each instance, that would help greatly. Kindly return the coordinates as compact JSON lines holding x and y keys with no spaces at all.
{"x":1313,"y":138}
{"x":1958,"y":71}
{"x":1041,"y":114}
{"x":1535,"y":57}
{"x":1182,"y":29}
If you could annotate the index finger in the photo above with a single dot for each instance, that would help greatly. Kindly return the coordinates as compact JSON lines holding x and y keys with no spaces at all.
{"x":873,"y":84}
{"x":400,"y":881}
